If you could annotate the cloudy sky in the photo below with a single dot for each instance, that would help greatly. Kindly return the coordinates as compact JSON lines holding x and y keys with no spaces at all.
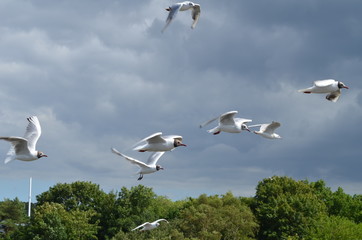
{"x":100,"y":74}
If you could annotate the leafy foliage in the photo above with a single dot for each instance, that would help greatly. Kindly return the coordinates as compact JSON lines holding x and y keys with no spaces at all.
{"x":282,"y":208}
{"x":285,"y":207}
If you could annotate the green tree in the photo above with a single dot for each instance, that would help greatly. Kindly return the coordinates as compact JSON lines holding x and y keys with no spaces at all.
{"x":12,"y":215}
{"x":339,"y":203}
{"x":336,"y":228}
{"x":85,"y":196}
{"x":285,"y":207}
{"x":51,"y":221}
{"x":217,"y":218}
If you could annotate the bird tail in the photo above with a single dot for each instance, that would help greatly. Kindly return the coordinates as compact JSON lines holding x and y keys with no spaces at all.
{"x":213,"y":130}
{"x":305,"y":90}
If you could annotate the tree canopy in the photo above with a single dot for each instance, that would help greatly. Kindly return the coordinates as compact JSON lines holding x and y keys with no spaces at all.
{"x":282,"y":208}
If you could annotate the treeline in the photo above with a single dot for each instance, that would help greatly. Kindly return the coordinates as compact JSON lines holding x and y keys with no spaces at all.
{"x":282,"y":208}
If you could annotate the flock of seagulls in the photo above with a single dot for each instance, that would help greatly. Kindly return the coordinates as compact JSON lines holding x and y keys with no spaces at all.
{"x":24,"y":148}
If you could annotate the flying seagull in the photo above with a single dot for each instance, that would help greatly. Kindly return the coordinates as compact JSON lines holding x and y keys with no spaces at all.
{"x":149,"y":226}
{"x":330,"y":86}
{"x":145,"y":168}
{"x":227,"y":123}
{"x":23,"y":148}
{"x":158,"y":143}
{"x":183,"y":6}
{"x":267,"y":130}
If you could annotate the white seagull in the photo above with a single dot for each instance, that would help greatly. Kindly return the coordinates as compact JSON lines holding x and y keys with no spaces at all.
{"x":145,"y":168}
{"x":227,"y":123}
{"x":149,"y":226}
{"x":183,"y":6}
{"x":158,"y":143}
{"x":330,"y":86}
{"x":23,"y":148}
{"x":267,"y":130}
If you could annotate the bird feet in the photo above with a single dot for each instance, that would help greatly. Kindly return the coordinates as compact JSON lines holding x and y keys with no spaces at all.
{"x":140,"y":178}
{"x":142,"y":150}
{"x":215,"y":133}
{"x":307,"y":92}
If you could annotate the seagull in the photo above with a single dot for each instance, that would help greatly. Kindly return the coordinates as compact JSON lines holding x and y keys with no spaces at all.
{"x":158,"y":143}
{"x":183,"y":6}
{"x":23,"y":148}
{"x":330,"y":86}
{"x":149,"y":226}
{"x":267,"y":130}
{"x":227,"y":123}
{"x":145,"y":168}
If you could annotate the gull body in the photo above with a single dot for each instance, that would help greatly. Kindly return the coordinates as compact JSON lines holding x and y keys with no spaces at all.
{"x":228,"y":123}
{"x":149,"y":226}
{"x":267,"y":130}
{"x":158,"y":143}
{"x":183,"y":6}
{"x":23,"y":148}
{"x":145,"y":168}
{"x":330,"y":86}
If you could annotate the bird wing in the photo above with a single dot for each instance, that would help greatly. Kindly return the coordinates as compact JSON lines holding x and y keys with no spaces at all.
{"x":195,"y":15}
{"x":178,"y":137}
{"x":132,"y":160}
{"x":228,"y":118}
{"x":159,"y":220}
{"x":255,"y":125}
{"x":324,"y":83}
{"x":154,"y":138}
{"x":33,"y":132}
{"x":154,"y":157}
{"x":242,"y":120}
{"x":270,"y":128}
{"x":334,"y":96}
{"x":208,"y":122}
{"x":19,"y":144}
{"x":173,"y":11}
{"x":142,"y":225}
{"x":10,"y":155}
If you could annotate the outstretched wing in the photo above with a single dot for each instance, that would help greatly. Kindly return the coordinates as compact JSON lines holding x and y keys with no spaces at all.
{"x":270,"y":128}
{"x":242,"y":120}
{"x":195,"y":15}
{"x":154,"y":138}
{"x":154,"y":157}
{"x":33,"y":132}
{"x":208,"y":122}
{"x":142,"y":225}
{"x":19,"y":144}
{"x":132,"y":160}
{"x":228,"y":118}
{"x":173,"y":11}
{"x":159,"y":220}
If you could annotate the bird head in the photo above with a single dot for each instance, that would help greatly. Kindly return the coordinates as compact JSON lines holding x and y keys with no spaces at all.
{"x":178,"y":142}
{"x":341,"y":85}
{"x":41,"y":154}
{"x":244,"y":127}
{"x":158,"y":168}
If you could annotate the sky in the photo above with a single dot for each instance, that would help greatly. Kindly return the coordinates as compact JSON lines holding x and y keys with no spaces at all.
{"x":100,"y":74}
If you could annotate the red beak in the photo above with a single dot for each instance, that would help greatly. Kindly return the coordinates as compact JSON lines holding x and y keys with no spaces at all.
{"x":346,"y":87}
